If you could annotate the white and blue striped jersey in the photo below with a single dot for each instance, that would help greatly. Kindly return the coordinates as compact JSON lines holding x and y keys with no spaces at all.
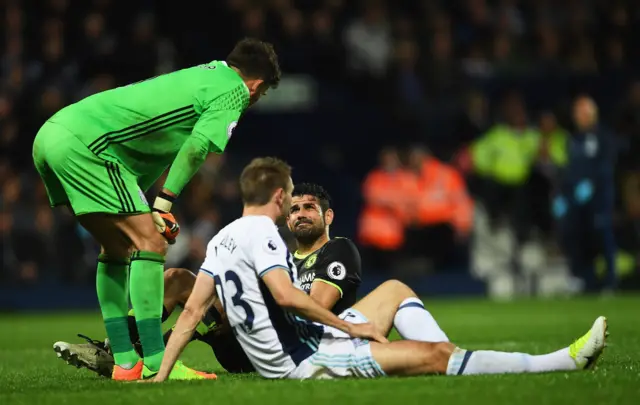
{"x":274,"y":340}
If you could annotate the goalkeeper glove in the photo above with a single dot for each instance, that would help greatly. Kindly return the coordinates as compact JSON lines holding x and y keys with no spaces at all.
{"x":165,"y":222}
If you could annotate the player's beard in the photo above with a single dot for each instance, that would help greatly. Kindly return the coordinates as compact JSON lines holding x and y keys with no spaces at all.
{"x":309,"y":235}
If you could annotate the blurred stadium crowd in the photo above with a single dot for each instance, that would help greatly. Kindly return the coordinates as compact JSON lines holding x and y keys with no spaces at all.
{"x":421,"y":84}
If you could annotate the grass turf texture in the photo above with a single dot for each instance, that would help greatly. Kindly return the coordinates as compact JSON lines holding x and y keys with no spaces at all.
{"x":30,"y":373}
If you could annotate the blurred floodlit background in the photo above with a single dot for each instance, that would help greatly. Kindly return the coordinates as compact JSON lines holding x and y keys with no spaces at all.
{"x":393,"y":106}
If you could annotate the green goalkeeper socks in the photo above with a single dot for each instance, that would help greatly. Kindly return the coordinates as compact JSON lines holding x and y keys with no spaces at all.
{"x":111,"y":286}
{"x":147,"y":295}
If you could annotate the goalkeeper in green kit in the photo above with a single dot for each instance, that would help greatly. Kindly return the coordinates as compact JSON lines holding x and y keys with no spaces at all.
{"x":100,"y":154}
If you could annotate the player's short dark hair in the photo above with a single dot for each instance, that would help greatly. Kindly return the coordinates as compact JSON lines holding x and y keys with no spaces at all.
{"x":256,"y":59}
{"x":261,"y":178}
{"x":315,"y":190}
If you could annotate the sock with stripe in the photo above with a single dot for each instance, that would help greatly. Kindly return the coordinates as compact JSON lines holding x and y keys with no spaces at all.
{"x":414,"y":322}
{"x":133,"y":328}
{"x":111,"y":286}
{"x":147,"y":296}
{"x":467,"y":362}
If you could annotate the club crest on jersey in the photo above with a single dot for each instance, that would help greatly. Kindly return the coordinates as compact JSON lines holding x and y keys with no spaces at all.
{"x":270,"y":246}
{"x":230,"y":128}
{"x":336,"y":271}
{"x":311,"y":261}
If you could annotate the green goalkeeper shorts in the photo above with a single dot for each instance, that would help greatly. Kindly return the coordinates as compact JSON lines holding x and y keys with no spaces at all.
{"x":74,"y":176}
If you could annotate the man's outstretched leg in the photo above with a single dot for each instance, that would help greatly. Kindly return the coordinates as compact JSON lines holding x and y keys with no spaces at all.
{"x":393,"y":303}
{"x":416,"y":358}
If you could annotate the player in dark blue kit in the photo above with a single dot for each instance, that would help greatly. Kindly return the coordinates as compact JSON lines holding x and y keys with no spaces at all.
{"x":329,"y":269}
{"x":585,"y":202}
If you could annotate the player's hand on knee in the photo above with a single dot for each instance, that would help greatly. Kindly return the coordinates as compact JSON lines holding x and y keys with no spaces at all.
{"x":366,"y":331}
{"x":165,"y":222}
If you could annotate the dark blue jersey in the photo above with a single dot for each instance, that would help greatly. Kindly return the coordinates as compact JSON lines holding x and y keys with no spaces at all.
{"x":592,"y":157}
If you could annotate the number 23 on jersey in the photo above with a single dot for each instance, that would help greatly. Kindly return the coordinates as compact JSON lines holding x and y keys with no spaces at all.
{"x":231,"y":278}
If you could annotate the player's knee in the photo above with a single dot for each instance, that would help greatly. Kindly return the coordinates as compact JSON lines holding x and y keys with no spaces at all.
{"x":116,"y":250}
{"x":398,"y":289}
{"x":153,"y":243}
{"x":143,"y":234}
{"x":444,"y":350}
{"x":177,"y":277}
{"x":178,"y":284}
{"x":435,"y":356}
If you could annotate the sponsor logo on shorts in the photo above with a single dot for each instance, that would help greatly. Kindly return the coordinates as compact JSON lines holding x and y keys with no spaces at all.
{"x":357,"y":342}
{"x":336,"y":271}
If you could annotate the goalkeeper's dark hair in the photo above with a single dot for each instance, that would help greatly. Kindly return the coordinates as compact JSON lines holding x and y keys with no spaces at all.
{"x":256,"y":60}
{"x":314,"y":190}
{"x":263,"y":177}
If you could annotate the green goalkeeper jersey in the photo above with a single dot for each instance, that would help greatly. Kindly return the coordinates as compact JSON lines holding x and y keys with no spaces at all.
{"x":143,"y":125}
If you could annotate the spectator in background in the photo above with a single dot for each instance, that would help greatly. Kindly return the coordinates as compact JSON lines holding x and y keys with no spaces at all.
{"x":389,"y":192}
{"x":138,"y":57}
{"x":61,"y":51}
{"x":443,"y":215}
{"x":96,"y":48}
{"x":470,"y":123}
{"x":444,"y":77}
{"x":584,"y":204}
{"x":552,"y":158}
{"x":548,"y":50}
{"x":294,"y":40}
{"x":368,"y":44}
{"x":506,"y":61}
{"x":628,"y":125}
{"x":409,"y":86}
{"x":504,"y":158}
{"x":30,"y":231}
{"x":475,"y":21}
{"x":553,"y":145}
{"x":328,"y":49}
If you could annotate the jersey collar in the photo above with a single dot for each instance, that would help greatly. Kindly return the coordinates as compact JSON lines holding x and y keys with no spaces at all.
{"x":302,"y":257}
{"x":245,"y":84}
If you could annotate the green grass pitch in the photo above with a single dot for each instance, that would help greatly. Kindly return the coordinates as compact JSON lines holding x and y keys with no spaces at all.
{"x":31,"y":374}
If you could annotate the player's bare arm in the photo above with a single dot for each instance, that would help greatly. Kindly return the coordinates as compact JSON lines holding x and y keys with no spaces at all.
{"x":291,"y":298}
{"x":324,"y":294}
{"x":199,"y":301}
{"x":178,"y":285}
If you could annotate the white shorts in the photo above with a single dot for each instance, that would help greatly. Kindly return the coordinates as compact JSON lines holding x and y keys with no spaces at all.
{"x":340,"y":356}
